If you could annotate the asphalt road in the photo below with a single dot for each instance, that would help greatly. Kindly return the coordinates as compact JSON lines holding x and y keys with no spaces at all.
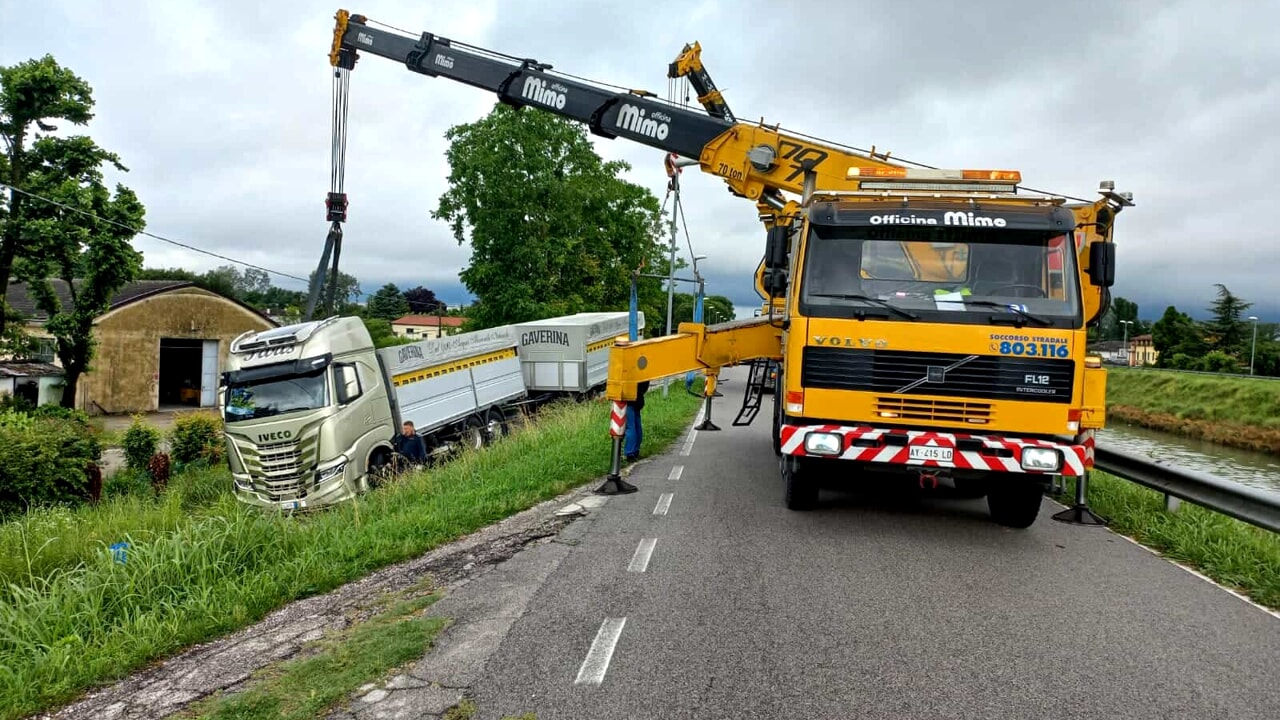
{"x":735,"y":607}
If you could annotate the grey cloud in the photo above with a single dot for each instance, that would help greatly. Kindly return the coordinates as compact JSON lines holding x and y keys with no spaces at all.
{"x":221,"y":110}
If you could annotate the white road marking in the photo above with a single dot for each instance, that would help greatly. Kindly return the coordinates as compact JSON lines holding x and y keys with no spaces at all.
{"x":596,"y":663}
{"x":676,"y":472}
{"x":640,"y":561}
{"x":688,"y":444}
{"x":664,"y":503}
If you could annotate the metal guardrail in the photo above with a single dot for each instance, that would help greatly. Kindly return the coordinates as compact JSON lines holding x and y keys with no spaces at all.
{"x":1252,"y":505}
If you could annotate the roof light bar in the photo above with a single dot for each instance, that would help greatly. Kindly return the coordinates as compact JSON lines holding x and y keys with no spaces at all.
{"x":886,"y":173}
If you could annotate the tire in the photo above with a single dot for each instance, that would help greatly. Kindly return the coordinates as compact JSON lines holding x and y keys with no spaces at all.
{"x":496,"y":424}
{"x":802,"y":490}
{"x":380,"y":468}
{"x":1015,"y":503}
{"x":473,"y":437}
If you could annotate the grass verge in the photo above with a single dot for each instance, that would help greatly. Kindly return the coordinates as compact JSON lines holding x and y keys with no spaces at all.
{"x":329,"y":670}
{"x":72,"y":617}
{"x":1233,"y":553}
{"x":1236,"y":412}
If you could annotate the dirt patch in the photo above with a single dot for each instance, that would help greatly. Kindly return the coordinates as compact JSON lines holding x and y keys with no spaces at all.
{"x":1237,"y":435}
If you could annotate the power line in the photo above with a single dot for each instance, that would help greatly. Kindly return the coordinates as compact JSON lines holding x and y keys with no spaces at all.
{"x":150,"y":234}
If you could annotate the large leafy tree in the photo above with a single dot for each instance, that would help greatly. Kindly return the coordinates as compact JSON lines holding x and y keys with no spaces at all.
{"x":1174,"y":334}
{"x":423,"y":301}
{"x":83,"y":239}
{"x":553,"y":228}
{"x":34,"y":95}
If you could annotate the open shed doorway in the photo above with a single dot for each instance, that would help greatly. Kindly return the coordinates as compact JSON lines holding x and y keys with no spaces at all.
{"x":188,"y":372}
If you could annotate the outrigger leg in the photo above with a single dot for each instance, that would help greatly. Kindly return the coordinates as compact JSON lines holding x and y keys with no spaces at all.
{"x":613,"y":483}
{"x":709,"y":392}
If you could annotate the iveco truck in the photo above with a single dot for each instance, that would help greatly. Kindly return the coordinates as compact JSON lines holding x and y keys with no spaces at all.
{"x":311,"y":409}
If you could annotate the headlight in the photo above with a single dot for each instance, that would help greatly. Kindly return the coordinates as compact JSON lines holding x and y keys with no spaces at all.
{"x":331,"y":472}
{"x":1046,"y":459}
{"x":822,"y":443}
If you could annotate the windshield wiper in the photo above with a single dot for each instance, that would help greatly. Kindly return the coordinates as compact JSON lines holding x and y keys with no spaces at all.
{"x":882,"y":303}
{"x":1011,"y":308}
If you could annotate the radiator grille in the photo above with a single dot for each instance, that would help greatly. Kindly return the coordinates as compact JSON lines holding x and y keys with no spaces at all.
{"x":976,"y":377}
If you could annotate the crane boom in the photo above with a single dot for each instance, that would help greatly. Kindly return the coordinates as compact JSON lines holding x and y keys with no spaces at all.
{"x":757,"y":161}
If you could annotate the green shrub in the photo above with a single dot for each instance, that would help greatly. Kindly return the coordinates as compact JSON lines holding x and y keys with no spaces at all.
{"x":43,"y":460}
{"x":197,"y":436}
{"x":139,"y":443}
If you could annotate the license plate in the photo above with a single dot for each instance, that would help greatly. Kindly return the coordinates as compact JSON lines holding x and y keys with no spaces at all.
{"x":289,"y":505}
{"x":930,"y":452}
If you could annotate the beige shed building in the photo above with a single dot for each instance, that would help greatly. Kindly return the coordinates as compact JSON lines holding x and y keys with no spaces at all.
{"x":162,"y":345}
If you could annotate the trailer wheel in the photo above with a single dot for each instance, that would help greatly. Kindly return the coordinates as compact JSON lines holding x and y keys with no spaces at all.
{"x":496,"y":424}
{"x":1014,"y":503}
{"x":473,"y":433}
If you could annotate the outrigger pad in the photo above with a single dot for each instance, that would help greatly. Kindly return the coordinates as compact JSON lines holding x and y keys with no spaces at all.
{"x":615,"y":485}
{"x":1080,"y":515}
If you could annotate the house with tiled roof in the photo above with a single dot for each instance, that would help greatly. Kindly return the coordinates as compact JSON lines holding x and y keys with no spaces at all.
{"x":161,"y":344}
{"x":418,"y":327}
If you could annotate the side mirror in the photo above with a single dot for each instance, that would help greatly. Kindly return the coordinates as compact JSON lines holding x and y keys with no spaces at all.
{"x":347,"y":383}
{"x":777,"y":245}
{"x":1102,"y":264}
{"x":775,"y":282}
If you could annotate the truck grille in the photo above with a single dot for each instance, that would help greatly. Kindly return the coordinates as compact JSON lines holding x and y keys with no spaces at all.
{"x":281,"y":471}
{"x":935,"y":410}
{"x":978,"y":377}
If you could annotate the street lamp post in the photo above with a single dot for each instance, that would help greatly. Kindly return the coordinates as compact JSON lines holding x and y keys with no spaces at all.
{"x":1127,"y":360}
{"x":1254,"y":346}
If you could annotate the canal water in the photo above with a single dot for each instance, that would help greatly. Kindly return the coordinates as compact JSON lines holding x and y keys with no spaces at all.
{"x":1243,"y":466}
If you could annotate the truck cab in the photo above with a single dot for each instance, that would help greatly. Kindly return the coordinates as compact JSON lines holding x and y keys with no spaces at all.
{"x":306,"y":411}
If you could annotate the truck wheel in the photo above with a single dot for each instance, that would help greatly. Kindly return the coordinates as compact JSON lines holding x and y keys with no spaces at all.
{"x":380,"y":469}
{"x":1014,"y":504}
{"x":802,"y":490}
{"x":496,"y":426}
{"x":473,"y":433}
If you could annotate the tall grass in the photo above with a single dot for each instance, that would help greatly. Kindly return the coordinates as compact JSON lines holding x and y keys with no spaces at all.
{"x":1232,"y":411}
{"x":199,"y":564}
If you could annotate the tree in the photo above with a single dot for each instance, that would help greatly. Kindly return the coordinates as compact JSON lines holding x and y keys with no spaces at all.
{"x":423,"y":301}
{"x":1175,"y":333}
{"x":381,"y":333}
{"x":90,"y":250}
{"x":1112,"y":327}
{"x":348,"y":291}
{"x":1227,"y":331}
{"x":553,"y":229}
{"x":33,"y":92}
{"x":387,"y":304}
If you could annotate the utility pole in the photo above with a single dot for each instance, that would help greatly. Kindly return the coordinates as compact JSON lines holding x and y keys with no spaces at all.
{"x":1127,"y":361}
{"x":673,"y":165}
{"x":1254,"y":347}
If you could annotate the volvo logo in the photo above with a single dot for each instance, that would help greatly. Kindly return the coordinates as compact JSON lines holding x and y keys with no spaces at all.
{"x":850,"y":342}
{"x":935,"y":374}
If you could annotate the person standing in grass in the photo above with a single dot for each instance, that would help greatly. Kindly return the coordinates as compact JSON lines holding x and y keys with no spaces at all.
{"x":635,"y":433}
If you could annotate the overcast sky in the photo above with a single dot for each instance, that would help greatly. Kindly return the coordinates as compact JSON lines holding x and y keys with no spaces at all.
{"x":221,"y":112}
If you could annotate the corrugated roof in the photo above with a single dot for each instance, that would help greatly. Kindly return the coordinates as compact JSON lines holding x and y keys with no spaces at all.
{"x":28,"y":369}
{"x":19,"y":296}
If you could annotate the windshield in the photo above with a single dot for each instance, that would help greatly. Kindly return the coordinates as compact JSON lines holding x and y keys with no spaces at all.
{"x":269,"y":396}
{"x":973,"y":275}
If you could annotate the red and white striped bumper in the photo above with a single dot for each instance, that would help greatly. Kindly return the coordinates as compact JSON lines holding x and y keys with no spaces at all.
{"x":980,"y":451}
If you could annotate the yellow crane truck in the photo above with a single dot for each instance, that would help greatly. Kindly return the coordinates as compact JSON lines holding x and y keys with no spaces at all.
{"x":923,"y":321}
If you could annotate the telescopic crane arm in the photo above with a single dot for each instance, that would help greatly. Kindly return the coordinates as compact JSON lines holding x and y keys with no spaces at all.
{"x":756,"y":161}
